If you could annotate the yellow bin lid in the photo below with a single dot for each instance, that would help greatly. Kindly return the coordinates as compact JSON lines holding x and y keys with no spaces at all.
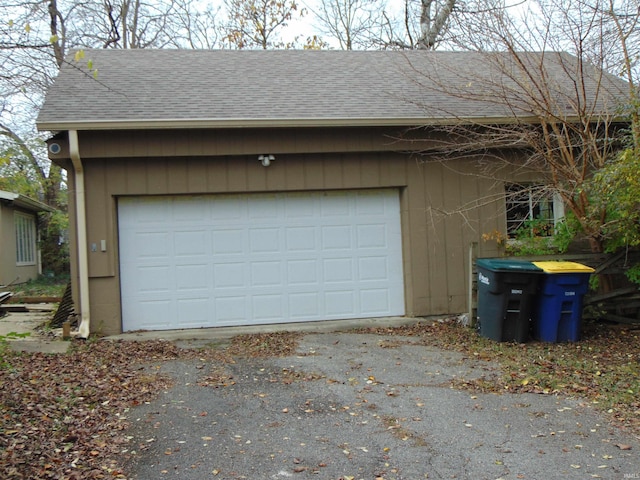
{"x":563,"y":267}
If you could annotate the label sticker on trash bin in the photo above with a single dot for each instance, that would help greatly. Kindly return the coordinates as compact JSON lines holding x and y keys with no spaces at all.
{"x":483,"y":279}
{"x":516,"y":292}
{"x":569,"y":294}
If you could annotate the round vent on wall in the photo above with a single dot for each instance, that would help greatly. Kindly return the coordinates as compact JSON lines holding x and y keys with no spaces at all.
{"x":55,"y":148}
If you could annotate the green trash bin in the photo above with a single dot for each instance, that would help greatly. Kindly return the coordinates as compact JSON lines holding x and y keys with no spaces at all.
{"x":506,"y":297}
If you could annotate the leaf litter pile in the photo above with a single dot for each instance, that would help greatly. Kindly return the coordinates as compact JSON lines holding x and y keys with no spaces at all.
{"x":65,"y":415}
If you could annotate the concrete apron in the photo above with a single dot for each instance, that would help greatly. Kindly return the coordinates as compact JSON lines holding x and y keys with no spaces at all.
{"x":195,"y":337}
{"x":28,"y":323}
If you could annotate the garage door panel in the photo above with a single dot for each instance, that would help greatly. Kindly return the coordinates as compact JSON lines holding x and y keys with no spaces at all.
{"x":336,"y":237}
{"x":158,"y":213}
{"x":373,"y":268}
{"x":267,"y":307}
{"x":372,"y":236}
{"x":152,"y":245}
{"x":300,"y":210}
{"x":229,"y":275}
{"x":340,"y":304}
{"x":152,"y":314}
{"x":194,"y":243}
{"x":260,"y":258}
{"x":301,"y":239}
{"x":190,"y":278}
{"x":192,"y":312}
{"x":303,"y":306}
{"x":227,"y":210}
{"x":374,"y":301}
{"x":231,"y":310}
{"x":266,"y":209}
{"x":337,"y":270}
{"x":264,"y":240}
{"x":370,"y":204}
{"x":333,"y":205}
{"x":266,"y":274}
{"x":302,"y":273}
{"x":228,"y":242}
{"x":153,"y":279}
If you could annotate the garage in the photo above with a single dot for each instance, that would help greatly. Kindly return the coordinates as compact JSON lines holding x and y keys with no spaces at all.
{"x":250,"y":259}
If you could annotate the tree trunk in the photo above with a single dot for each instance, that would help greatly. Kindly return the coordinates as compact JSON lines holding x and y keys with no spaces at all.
{"x":431,"y":28}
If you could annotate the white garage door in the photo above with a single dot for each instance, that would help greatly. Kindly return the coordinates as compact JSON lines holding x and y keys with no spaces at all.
{"x":207,"y":261}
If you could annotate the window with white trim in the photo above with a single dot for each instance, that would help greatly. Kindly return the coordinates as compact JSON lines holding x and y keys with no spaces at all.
{"x":532,"y":207}
{"x":25,"y":239}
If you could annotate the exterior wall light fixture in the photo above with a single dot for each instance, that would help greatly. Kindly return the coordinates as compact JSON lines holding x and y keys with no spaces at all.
{"x":266,"y":159}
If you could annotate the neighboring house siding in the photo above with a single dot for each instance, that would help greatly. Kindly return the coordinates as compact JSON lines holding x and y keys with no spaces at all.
{"x":435,"y":245}
{"x":7,"y":245}
{"x":11,"y":269}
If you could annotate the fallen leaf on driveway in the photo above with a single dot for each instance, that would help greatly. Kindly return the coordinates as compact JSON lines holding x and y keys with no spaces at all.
{"x":623,"y":446}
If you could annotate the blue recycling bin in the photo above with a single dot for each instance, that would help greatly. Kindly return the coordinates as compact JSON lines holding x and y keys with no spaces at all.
{"x":506,"y":297}
{"x":558,"y":313}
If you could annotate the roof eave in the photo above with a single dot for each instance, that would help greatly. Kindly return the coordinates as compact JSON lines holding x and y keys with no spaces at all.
{"x":177,"y":124}
{"x":232,"y":123}
{"x":28,"y":203}
{"x":24,"y":202}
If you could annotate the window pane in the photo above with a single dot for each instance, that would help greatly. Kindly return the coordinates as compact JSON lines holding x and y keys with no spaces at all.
{"x":529,"y":206}
{"x":25,"y":239}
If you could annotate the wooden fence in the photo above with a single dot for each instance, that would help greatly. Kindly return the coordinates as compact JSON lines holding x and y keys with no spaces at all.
{"x":616,"y":298}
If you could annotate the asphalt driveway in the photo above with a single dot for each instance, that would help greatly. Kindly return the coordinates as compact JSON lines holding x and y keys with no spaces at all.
{"x":364,"y":406}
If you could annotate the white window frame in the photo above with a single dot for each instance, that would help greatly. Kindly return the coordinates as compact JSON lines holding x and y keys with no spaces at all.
{"x":25,"y":225}
{"x":554,"y":207}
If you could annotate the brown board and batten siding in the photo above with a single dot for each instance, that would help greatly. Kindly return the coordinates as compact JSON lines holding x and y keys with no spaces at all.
{"x":240,"y":141}
{"x":436,"y":233}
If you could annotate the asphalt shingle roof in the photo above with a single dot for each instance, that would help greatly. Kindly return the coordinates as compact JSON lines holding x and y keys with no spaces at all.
{"x":208,"y":88}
